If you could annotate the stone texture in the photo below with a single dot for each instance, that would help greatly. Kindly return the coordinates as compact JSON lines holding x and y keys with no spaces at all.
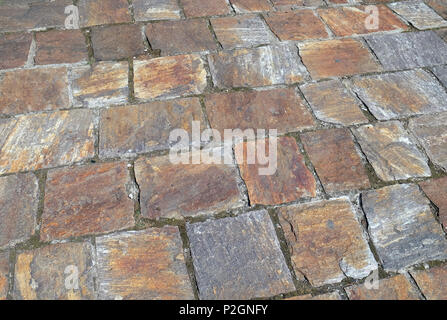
{"x":338,"y":164}
{"x":19,"y":201}
{"x":326,"y":241}
{"x":117,"y":42}
{"x":401,"y":94}
{"x":391,"y":151}
{"x":281,"y":109}
{"x":43,"y":274}
{"x":431,"y":131}
{"x":45,"y":140}
{"x":409,"y":50}
{"x":292,"y":4}
{"x":347,"y":21}
{"x":14,"y":49}
{"x":402,"y":226}
{"x":200,"y":8}
{"x":175,"y":37}
{"x":169,"y":77}
{"x":98,"y":12}
{"x":337,"y":58}
{"x":440,"y":6}
{"x":67,"y":213}
{"x":436,"y":191}
{"x":242,"y":31}
{"x":296,"y":25}
{"x":442,"y":33}
{"x":193,"y":189}
{"x":238,"y":258}
{"x":325,"y":296}
{"x":264,"y":66}
{"x":56,"y":46}
{"x":156,"y":10}
{"x":332,"y":102}
{"x":291,"y":181}
{"x":4,"y":274}
{"x":441,"y":74}
{"x":102,"y":84}
{"x":418,"y":14}
{"x":146,"y":264}
{"x":146,"y":127}
{"x":432,"y":282}
{"x":245,"y":6}
{"x":23,"y":91}
{"x":395,"y":288}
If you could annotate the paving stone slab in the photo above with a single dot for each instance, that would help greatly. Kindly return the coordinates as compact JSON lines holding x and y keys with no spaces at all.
{"x":325,"y":296}
{"x":200,"y":8}
{"x":442,"y":33}
{"x":14,"y":49}
{"x":402,"y":227}
{"x":246,"y":6}
{"x":418,"y":14}
{"x":440,"y":6}
{"x":436,"y":191}
{"x":432,"y":282}
{"x":99,"y":12}
{"x":441,"y":74}
{"x":4,"y":274}
{"x":238,"y":258}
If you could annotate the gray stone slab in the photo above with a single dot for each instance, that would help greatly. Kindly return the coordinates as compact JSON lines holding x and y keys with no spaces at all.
{"x":441,"y":73}
{"x":418,"y":14}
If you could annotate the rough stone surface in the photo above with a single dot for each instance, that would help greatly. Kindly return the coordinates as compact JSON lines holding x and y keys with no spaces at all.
{"x":19,"y":201}
{"x":440,"y":6}
{"x":156,"y":10}
{"x":436,"y":191}
{"x":4,"y":274}
{"x":441,"y":74}
{"x":43,"y":274}
{"x":245,"y":6}
{"x":23,"y":91}
{"x":391,"y":151}
{"x":402,"y":226}
{"x":45,"y":140}
{"x":200,"y":8}
{"x":14,"y":49}
{"x":326,"y":241}
{"x":432,"y":282}
{"x":290,"y":181}
{"x":146,"y":264}
{"x":418,"y":14}
{"x":99,"y":12}
{"x":442,"y":33}
{"x":332,"y":102}
{"x":325,"y":296}
{"x":338,"y":164}
{"x":238,"y":258}
{"x":264,"y":66}
{"x":336,"y":58}
{"x":169,"y":77}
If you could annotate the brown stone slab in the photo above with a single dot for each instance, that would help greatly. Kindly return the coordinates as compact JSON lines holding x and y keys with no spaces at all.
{"x":433,"y":282}
{"x":145,"y":10}
{"x":98,"y":12}
{"x":14,"y":49}
{"x":419,"y":14}
{"x":246,"y":6}
{"x":4,"y":274}
{"x":325,"y":296}
{"x":436,"y":191}
{"x":200,"y":8}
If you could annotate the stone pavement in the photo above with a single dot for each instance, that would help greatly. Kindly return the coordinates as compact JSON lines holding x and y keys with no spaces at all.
{"x":91,"y":207}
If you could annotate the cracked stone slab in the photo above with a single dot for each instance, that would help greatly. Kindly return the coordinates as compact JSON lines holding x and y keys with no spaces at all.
{"x":246,"y":6}
{"x":39,"y":141}
{"x":156,"y":10}
{"x":14,"y":49}
{"x":402,"y":226}
{"x":326,"y":241}
{"x":43,"y":274}
{"x":441,"y":74}
{"x":4,"y":274}
{"x":238,"y":258}
{"x":142,"y":265}
{"x":409,"y":50}
{"x":200,"y":8}
{"x":391,"y":151}
{"x":401,"y":94}
{"x":432,"y":282}
{"x":436,"y":191}
{"x":99,"y":12}
{"x":418,"y":14}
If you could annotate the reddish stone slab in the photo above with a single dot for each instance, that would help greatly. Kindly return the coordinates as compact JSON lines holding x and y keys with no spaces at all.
{"x":436,"y":191}
{"x":432,"y":282}
{"x":145,"y":10}
{"x":199,"y":8}
{"x":4,"y":274}
{"x":245,"y":6}
{"x":98,"y":12}
{"x":14,"y":49}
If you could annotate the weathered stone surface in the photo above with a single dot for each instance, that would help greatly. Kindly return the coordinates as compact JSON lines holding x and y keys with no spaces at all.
{"x":296,"y":25}
{"x":14,"y":49}
{"x":347,"y":21}
{"x":436,"y":191}
{"x":4,"y":274}
{"x":146,"y":264}
{"x":19,"y":200}
{"x":169,"y":77}
{"x":402,"y":226}
{"x":431,"y":131}
{"x":238,"y":258}
{"x":290,"y":181}
{"x":200,"y":8}
{"x":433,"y":282}
{"x":281,"y":109}
{"x":245,"y":6}
{"x":326,"y":296}
{"x":67,"y":213}
{"x":391,"y":151}
{"x":442,"y":33}
{"x":186,"y":36}
{"x":156,"y":10}
{"x":98,"y":12}
{"x":242,"y":31}
{"x":409,"y":50}
{"x":61,"y":271}
{"x":332,"y":102}
{"x":326,"y":241}
{"x":441,"y":74}
{"x":418,"y":14}
{"x":100,"y":85}
{"x":193,"y":189}
{"x":117,"y":42}
{"x":146,"y":127}
{"x":440,"y":6}
{"x":292,"y":4}
{"x":337,"y":58}
{"x":402,"y":94}
{"x":338,"y":164}
{"x":56,"y":46}
{"x":45,"y":140}
{"x":395,"y":288}
{"x":23,"y":91}
{"x":264,"y":66}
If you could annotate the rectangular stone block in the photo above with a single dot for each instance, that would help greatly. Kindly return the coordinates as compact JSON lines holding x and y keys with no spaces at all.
{"x":436,"y":191}
{"x":14,"y":49}
{"x":145,"y":10}
{"x":238,"y":258}
{"x":432,"y":282}
{"x":418,"y":14}
{"x":98,"y":12}
{"x":4,"y":274}
{"x":199,"y":8}
{"x":245,"y":6}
